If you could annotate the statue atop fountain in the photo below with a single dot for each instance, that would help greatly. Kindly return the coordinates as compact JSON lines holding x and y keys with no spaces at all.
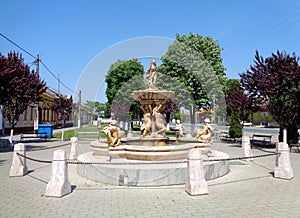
{"x":151,"y":75}
{"x":152,"y":102}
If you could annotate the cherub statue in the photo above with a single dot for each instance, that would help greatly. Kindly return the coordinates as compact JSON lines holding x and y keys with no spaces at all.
{"x":205,"y":134}
{"x":145,"y":128}
{"x":179,"y":129}
{"x":160,"y":127}
{"x":113,"y":134}
{"x":151,"y":75}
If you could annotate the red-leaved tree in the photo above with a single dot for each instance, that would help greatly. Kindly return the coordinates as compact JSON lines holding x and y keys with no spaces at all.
{"x":19,"y":86}
{"x":241,"y":103}
{"x":275,"y":81}
{"x":62,"y":106}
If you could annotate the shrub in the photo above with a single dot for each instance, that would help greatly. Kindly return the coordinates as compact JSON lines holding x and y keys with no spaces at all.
{"x":235,"y":129}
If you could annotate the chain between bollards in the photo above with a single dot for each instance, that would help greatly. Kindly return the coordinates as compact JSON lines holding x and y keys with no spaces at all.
{"x":47,"y":148}
{"x":147,"y":163}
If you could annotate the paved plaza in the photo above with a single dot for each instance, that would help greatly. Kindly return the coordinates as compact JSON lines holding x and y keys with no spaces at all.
{"x":249,"y":190}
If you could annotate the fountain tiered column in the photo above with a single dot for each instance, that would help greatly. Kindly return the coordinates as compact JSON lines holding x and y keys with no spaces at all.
{"x":152,"y":104}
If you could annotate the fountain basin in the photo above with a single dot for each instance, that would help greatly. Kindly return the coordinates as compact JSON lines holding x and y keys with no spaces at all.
{"x":138,"y":173}
{"x":146,"y":153}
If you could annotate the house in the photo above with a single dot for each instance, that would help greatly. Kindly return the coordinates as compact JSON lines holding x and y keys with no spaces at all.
{"x":36,"y":113}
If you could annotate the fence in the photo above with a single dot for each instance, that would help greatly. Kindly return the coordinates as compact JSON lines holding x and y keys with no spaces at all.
{"x":59,"y":184}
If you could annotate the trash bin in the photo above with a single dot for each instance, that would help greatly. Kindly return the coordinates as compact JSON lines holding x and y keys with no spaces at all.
{"x":45,"y":130}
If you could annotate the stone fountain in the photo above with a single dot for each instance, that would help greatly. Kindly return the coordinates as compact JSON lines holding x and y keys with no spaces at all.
{"x":151,"y":146}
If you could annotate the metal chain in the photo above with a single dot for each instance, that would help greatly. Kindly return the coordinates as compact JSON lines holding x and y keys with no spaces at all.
{"x":46,"y":148}
{"x":240,"y":158}
{"x":33,"y":159}
{"x":147,"y":163}
{"x":263,"y":150}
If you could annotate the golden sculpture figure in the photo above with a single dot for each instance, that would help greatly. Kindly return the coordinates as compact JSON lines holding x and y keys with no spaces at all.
{"x":146,"y":126}
{"x":205,"y":134}
{"x":113,"y":134}
{"x":151,"y":75}
{"x":160,"y":127}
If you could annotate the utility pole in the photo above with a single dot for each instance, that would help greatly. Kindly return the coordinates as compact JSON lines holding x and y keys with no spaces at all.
{"x":37,"y":64}
{"x":36,"y":118}
{"x":79,"y":108}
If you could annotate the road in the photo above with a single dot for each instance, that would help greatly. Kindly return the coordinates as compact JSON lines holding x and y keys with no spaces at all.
{"x":249,"y":131}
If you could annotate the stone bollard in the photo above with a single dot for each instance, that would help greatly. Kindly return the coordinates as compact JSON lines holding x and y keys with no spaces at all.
{"x":73,"y":149}
{"x":283,"y":168}
{"x":59,"y":184}
{"x":18,"y":166}
{"x":195,"y":181}
{"x":246,"y":148}
{"x":62,"y":134}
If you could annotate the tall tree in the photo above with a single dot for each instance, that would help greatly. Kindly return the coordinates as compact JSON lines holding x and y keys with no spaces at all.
{"x":275,"y":81}
{"x":241,"y":107}
{"x":95,"y":107}
{"x":181,"y":97}
{"x":241,"y":103}
{"x":122,"y":79}
{"x":19,"y":86}
{"x":62,"y":106}
{"x":196,"y":63}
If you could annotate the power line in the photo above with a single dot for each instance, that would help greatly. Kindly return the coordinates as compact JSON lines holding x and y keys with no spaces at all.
{"x":17,"y":45}
{"x":289,"y":18}
{"x":56,"y":77}
{"x":27,"y":52}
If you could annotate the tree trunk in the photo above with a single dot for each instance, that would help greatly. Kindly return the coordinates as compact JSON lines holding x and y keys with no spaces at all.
{"x":192,"y":116}
{"x":11,"y":136}
{"x":284,"y":135}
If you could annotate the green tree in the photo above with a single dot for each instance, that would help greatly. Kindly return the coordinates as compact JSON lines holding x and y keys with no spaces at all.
{"x":122,"y":79}
{"x":195,"y":61}
{"x":230,"y":85}
{"x":97,"y":108}
{"x":181,"y":97}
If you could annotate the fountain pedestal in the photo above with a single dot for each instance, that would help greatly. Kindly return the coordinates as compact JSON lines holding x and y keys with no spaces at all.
{"x":152,"y":104}
{"x":153,"y":141}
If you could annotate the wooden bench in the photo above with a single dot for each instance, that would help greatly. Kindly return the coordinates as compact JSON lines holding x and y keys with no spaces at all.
{"x":88,"y":134}
{"x":261,"y":140}
{"x":224,"y":136}
{"x":295,"y":144}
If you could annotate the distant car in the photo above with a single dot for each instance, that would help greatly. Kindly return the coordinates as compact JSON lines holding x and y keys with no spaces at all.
{"x":246,"y":123}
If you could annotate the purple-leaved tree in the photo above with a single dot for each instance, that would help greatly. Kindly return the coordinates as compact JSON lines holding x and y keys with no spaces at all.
{"x":62,"y":106}
{"x":19,"y":87}
{"x":275,"y":81}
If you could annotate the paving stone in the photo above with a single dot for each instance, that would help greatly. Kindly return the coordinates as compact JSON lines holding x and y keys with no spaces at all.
{"x":249,"y":190}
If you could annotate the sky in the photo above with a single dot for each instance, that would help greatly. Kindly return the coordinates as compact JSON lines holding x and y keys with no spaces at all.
{"x":78,"y":40}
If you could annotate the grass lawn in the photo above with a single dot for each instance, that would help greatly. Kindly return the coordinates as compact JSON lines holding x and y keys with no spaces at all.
{"x":72,"y":133}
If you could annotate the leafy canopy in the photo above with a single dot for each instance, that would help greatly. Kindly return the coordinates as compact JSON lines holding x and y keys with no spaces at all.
{"x":62,"y":106}
{"x":95,"y":107}
{"x":122,"y":79}
{"x":275,"y":81}
{"x":195,"y":61}
{"x":19,"y":87}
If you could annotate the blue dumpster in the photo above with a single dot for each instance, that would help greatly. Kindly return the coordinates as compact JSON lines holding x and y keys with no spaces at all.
{"x":45,"y":130}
